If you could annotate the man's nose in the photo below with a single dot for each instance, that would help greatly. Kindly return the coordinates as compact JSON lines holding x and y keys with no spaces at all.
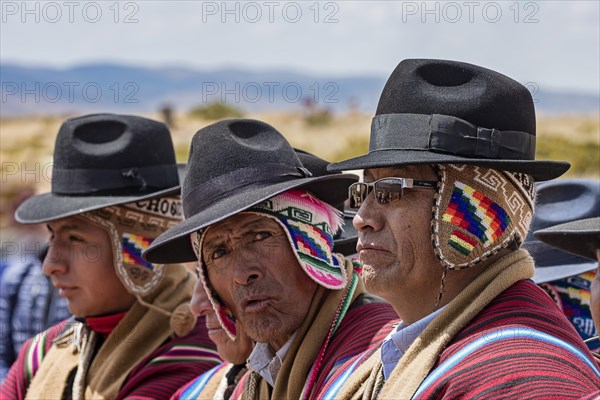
{"x":200,"y":304}
{"x":56,"y":261}
{"x":368,"y":216}
{"x":248,"y":266}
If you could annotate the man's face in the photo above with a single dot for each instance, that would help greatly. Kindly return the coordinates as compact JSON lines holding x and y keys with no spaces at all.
{"x":80,"y":265}
{"x":394,"y":242}
{"x":595,"y":296}
{"x":233,"y":351}
{"x":253,"y":269}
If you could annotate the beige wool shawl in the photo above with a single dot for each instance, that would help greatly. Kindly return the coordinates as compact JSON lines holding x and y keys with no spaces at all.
{"x":367,"y":381}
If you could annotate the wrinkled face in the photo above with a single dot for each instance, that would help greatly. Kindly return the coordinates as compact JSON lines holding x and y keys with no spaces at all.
{"x":394,"y":243}
{"x":80,"y":265}
{"x":253,"y":269}
{"x":595,"y":296}
{"x":234,"y":351}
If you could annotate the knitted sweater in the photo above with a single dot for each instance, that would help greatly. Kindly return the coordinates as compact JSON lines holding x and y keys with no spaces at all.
{"x":157,"y":376}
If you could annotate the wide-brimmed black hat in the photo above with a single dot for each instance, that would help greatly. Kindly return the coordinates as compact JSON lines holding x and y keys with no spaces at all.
{"x":344,"y":242}
{"x":102,"y":160}
{"x":233,"y":165}
{"x":448,"y":112}
{"x":581,"y":237}
{"x":559,"y":202}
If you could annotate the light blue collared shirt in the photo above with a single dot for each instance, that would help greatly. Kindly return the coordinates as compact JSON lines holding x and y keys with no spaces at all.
{"x":399,"y":340}
{"x":266,"y":361}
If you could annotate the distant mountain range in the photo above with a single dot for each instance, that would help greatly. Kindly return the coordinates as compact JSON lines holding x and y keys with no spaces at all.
{"x":108,"y":87}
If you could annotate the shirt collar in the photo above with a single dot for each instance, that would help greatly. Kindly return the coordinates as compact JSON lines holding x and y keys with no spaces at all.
{"x":266,"y":361}
{"x":399,"y":340}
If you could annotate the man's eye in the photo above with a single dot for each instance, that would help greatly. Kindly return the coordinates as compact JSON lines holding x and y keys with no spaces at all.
{"x":73,"y":238}
{"x":262,"y":236}
{"x":218,"y":253}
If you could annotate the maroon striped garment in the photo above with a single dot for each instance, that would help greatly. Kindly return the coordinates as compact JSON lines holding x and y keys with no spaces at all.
{"x":519,"y":346}
{"x":368,"y":321}
{"x":157,"y":376}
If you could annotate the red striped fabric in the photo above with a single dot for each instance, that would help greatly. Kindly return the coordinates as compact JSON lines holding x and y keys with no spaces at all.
{"x":520,"y":366}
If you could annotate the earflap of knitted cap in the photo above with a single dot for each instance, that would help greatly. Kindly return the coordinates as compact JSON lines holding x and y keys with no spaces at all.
{"x":132,"y":227}
{"x":310,"y":225}
{"x":224,"y":315}
{"x":478,"y":211}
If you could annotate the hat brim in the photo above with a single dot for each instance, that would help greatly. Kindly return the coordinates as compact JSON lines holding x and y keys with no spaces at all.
{"x":50,"y":206}
{"x":346,"y":243}
{"x":549,"y":274}
{"x":540,"y":170}
{"x":174,"y":245}
{"x":580,"y":237}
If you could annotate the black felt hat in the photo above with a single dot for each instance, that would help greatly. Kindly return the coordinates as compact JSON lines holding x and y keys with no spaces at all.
{"x":233,"y":165}
{"x":344,"y":242}
{"x":449,"y":112}
{"x":102,"y":160}
{"x":561,"y":202}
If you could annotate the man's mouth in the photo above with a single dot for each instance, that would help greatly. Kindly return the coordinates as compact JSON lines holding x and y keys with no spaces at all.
{"x":255,"y":303}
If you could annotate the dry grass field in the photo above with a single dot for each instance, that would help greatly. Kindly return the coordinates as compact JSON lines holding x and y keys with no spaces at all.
{"x":26,"y":144}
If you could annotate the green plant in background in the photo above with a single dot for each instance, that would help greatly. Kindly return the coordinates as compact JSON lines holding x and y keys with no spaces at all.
{"x":584,"y":157}
{"x":214,"y":111}
{"x":320,"y":117}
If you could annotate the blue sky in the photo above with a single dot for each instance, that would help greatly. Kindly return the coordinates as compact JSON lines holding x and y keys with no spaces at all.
{"x":552,"y":43}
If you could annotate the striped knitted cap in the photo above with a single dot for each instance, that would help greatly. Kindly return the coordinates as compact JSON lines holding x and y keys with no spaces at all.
{"x":309,"y":224}
{"x":479,"y":211}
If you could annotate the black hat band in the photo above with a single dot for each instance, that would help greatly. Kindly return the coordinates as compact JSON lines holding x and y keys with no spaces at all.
{"x":222,"y":186}
{"x":447,"y":134}
{"x":75,"y":182}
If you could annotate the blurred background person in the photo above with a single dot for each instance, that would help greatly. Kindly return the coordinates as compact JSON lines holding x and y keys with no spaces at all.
{"x":566,"y":277}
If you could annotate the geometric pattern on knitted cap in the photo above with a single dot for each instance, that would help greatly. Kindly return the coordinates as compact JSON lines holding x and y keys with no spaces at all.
{"x":309,"y":224}
{"x":477,"y":212}
{"x":133,"y":246}
{"x":473,"y":212}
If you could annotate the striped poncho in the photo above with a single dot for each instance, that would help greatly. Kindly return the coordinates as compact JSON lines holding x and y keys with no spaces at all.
{"x":501,"y":337}
{"x":157,"y":376}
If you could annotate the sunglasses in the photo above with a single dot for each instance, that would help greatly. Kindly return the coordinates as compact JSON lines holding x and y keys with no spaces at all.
{"x":386,"y":190}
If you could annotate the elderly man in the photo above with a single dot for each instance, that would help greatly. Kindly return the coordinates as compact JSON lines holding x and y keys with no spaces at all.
{"x":262,"y":228}
{"x":115,"y":187}
{"x":447,"y":200}
{"x":221,"y":380}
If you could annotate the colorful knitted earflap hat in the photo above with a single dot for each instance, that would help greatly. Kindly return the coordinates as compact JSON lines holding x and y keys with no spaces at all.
{"x":478,"y":211}
{"x":309,"y":224}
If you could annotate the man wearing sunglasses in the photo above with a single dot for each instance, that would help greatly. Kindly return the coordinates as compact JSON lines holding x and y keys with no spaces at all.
{"x":446,"y":203}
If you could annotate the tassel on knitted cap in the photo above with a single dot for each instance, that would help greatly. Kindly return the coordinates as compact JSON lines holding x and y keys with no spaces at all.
{"x":478,"y":211}
{"x":309,"y":224}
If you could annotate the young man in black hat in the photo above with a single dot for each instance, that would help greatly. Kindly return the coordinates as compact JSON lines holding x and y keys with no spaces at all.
{"x":115,"y":188}
{"x":447,"y":201}
{"x":262,"y":229}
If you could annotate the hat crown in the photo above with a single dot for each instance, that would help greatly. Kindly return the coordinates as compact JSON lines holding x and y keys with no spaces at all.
{"x":112,"y":141}
{"x":475,"y":94}
{"x":563,"y":201}
{"x":246,"y":150}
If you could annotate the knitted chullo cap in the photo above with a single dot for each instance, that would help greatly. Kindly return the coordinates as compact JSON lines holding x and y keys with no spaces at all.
{"x":478,"y":211}
{"x":131,"y":228}
{"x":309,"y":224}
